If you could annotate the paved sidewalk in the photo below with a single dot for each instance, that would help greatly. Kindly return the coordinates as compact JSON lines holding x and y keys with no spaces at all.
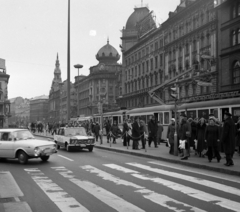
{"x":162,"y":153}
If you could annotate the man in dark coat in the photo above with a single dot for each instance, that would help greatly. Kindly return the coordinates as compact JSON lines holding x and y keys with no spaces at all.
{"x":96,"y":130}
{"x":107,"y":126}
{"x":152,"y":129}
{"x":136,"y":132}
{"x":124,"y":134}
{"x":228,"y":138}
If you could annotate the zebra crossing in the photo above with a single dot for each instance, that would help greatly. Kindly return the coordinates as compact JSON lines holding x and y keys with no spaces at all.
{"x":169,"y":190}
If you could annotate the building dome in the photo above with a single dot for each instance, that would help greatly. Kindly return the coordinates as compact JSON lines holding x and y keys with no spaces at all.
{"x":136,"y":16}
{"x":107,"y":54}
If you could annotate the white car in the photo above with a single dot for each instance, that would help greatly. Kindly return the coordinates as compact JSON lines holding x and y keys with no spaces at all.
{"x":74,"y":138}
{"x":21,"y":144}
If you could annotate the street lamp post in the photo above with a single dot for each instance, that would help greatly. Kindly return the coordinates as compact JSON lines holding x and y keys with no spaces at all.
{"x":68,"y":65}
{"x":78,"y":66}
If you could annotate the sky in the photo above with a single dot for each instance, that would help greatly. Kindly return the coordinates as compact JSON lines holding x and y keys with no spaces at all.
{"x":34,"y":31}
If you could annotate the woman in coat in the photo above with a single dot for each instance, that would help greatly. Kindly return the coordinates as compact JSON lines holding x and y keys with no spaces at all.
{"x":200,"y":132}
{"x":159,"y":132}
{"x":212,"y":138}
{"x":114,"y":131}
{"x":170,"y":136}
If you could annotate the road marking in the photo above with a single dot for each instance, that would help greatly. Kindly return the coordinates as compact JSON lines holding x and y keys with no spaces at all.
{"x":103,"y":195}
{"x":8,"y":186}
{"x":199,"y":181}
{"x":192,"y":171}
{"x":62,"y":199}
{"x":201,"y":195}
{"x":159,"y":199}
{"x":65,"y":157}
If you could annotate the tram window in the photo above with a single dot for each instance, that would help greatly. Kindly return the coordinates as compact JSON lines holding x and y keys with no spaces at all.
{"x":203,"y":114}
{"x":236,"y":113}
{"x":215,"y":112}
{"x":143,"y":118}
{"x":192,"y":114}
{"x":119,"y":120}
{"x":161,"y":118}
{"x":166,"y":118}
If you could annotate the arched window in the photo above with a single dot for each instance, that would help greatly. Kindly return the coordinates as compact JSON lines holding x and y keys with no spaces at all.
{"x":234,"y":38}
{"x":238,"y":35}
{"x":236,"y":72}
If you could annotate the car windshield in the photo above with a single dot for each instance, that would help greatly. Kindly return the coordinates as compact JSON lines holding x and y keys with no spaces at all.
{"x":75,"y":131}
{"x":22,"y":135}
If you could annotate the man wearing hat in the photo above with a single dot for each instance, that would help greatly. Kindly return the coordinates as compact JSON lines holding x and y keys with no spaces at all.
{"x":136,"y":133}
{"x":228,"y":138}
{"x":184,"y":133}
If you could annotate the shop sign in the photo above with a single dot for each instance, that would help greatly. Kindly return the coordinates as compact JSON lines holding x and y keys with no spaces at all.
{"x":216,"y":96}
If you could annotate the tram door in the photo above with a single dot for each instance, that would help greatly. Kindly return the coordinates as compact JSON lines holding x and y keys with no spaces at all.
{"x":224,"y":110}
{"x":156,"y":116}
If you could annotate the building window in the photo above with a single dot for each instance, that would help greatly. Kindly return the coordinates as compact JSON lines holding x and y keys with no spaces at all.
{"x":234,"y":38}
{"x":156,"y":45}
{"x":156,"y":62}
{"x":151,"y":64}
{"x":147,"y":64}
{"x":234,"y":12}
{"x":238,"y":35}
{"x":161,"y":59}
{"x":143,"y":68}
{"x":136,"y":71}
{"x":139,"y":70}
{"x":236,"y":72}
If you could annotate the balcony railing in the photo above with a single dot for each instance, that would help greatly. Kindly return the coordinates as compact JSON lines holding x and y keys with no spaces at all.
{"x":230,"y":87}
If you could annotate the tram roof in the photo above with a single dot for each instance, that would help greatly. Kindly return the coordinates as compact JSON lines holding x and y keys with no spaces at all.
{"x":114,"y":113}
{"x":151,"y":110}
{"x":211,"y":103}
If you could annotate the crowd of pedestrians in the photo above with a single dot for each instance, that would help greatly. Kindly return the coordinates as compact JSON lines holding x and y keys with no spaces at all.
{"x":206,"y":137}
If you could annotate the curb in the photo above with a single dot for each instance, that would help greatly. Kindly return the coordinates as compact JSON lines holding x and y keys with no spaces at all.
{"x":185,"y":163}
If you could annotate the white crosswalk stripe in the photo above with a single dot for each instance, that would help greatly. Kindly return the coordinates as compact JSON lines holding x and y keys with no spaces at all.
{"x":201,"y":195}
{"x":188,"y":178}
{"x":103,"y":195}
{"x":160,"y":199}
{"x":63,"y":200}
{"x":203,"y":172}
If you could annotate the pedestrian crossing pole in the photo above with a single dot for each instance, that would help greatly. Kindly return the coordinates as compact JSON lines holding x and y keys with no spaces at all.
{"x":175,"y":133}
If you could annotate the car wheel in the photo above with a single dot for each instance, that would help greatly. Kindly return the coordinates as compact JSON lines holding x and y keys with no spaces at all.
{"x":22,"y":157}
{"x":67,"y":148}
{"x":45,"y":158}
{"x":90,"y":148}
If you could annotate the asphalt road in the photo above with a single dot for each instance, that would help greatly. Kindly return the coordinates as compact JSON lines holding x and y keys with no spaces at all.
{"x":107,"y":181}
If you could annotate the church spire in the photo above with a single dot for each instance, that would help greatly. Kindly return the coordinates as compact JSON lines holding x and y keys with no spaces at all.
{"x":108,"y":40}
{"x":57,"y":62}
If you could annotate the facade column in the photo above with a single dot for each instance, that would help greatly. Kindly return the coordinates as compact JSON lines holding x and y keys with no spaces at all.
{"x":190,"y":55}
{"x":166,"y":64}
{"x":183,"y":57}
{"x":177,"y":50}
{"x":198,"y":51}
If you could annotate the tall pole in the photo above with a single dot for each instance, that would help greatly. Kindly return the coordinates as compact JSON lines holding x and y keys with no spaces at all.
{"x":68,"y":66}
{"x":175,"y":133}
{"x":78,"y":66}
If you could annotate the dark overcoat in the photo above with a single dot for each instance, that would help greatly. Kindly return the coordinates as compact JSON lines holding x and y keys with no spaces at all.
{"x":200,"y":137}
{"x":228,"y":136}
{"x":170,"y":133}
{"x":212,"y":135}
{"x":136,"y":131}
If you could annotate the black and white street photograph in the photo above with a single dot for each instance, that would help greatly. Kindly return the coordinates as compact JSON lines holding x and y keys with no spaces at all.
{"x":116,"y":105}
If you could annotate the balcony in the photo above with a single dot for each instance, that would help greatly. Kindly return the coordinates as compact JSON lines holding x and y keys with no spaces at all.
{"x":230,"y":87}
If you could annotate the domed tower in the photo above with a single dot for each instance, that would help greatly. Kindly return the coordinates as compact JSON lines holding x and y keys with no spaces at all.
{"x":107,"y":54}
{"x":130,"y":33}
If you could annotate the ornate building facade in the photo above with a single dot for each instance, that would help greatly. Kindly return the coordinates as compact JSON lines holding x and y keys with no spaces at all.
{"x":54,"y":94}
{"x":190,"y":43}
{"x":101,"y":84}
{"x":229,"y":45}
{"x":143,"y":58}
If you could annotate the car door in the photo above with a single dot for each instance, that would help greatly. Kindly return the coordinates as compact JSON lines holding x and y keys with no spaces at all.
{"x":6,"y":146}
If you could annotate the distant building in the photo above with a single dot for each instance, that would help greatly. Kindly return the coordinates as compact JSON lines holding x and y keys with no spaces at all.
{"x":15,"y":103}
{"x":63,"y":102}
{"x":101,"y":84}
{"x":54,"y":94}
{"x":4,"y":102}
{"x":39,"y":109}
{"x":22,"y":112}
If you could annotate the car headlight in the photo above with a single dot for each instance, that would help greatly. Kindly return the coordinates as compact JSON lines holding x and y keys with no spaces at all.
{"x":37,"y":151}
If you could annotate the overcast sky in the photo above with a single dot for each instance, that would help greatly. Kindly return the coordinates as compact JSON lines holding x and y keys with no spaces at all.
{"x":34,"y":31}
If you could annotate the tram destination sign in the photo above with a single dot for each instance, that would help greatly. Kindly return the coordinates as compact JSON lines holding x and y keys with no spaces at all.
{"x":216,"y":96}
